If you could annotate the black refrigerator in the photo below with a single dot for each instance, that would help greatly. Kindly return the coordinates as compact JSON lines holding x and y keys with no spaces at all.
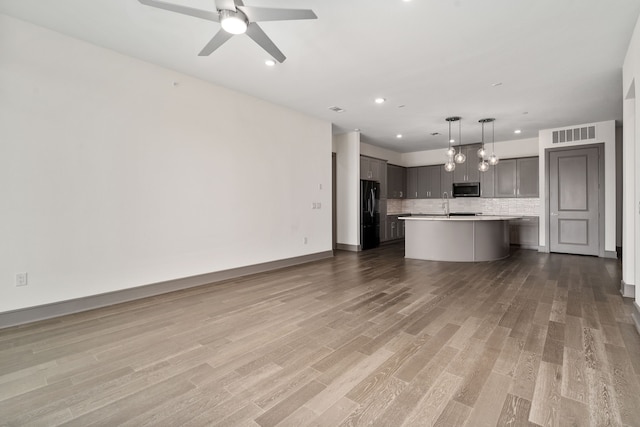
{"x":369,"y":214}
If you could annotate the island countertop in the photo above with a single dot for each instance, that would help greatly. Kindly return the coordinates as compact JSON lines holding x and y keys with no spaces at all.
{"x":428,"y":217}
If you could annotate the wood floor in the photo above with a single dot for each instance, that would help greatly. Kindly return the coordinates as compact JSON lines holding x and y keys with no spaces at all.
{"x":360,"y":339}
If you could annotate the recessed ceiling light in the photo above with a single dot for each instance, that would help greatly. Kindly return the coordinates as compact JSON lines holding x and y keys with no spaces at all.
{"x":497,"y":84}
{"x":517,"y":131}
{"x":380,"y":100}
{"x":269,"y":62}
{"x":399,"y":136}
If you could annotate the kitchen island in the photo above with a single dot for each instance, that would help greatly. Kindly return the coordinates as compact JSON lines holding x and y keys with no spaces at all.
{"x":457,"y":238}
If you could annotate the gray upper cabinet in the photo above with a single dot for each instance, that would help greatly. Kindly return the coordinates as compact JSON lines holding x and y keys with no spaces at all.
{"x":412,"y":183}
{"x":517,"y":178}
{"x":527,"y":180}
{"x":429,"y":182}
{"x":446,"y":182}
{"x":433,"y":183}
{"x":487,"y":180}
{"x":424,"y":182}
{"x":468,"y":171}
{"x":505,"y":174}
{"x":374,"y":170}
{"x":396,"y":182}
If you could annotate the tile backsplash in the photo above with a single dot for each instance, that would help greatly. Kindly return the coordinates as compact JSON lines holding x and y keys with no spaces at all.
{"x":486,"y":206}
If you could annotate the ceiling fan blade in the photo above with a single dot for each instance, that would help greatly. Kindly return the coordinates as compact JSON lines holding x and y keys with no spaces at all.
{"x":257,"y":14}
{"x":217,"y":41}
{"x":259,"y":36}
{"x":203,"y":14}
{"x":225,"y":5}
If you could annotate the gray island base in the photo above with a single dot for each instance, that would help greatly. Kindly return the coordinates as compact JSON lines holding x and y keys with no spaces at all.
{"x":458,"y":239}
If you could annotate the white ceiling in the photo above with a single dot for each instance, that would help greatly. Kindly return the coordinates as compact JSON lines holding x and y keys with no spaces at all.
{"x":559,"y":62}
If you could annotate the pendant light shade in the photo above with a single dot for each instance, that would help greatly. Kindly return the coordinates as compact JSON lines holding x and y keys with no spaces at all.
{"x":483,"y":166}
{"x":460,"y":157}
{"x":493,"y":158}
{"x":450,"y":165}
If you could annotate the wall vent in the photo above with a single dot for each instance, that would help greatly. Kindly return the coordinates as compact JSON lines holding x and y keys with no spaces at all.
{"x":574,"y":134}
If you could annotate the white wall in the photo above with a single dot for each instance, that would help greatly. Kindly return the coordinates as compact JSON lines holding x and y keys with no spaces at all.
{"x":504,"y":150}
{"x":605,"y":133}
{"x":631,"y":177}
{"x":347,"y":148}
{"x":113,"y":177}
{"x":391,"y":157}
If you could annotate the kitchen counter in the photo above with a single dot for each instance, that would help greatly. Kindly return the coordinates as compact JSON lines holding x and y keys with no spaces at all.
{"x":428,"y":217}
{"x":457,"y":238}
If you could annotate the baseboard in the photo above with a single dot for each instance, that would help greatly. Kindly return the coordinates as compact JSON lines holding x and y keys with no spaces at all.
{"x":350,"y":248}
{"x":635,"y":315}
{"x":627,"y":290}
{"x":544,"y":249}
{"x":62,"y":308}
{"x":611,"y":254}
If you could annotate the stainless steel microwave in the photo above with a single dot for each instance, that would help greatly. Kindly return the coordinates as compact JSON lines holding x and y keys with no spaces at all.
{"x":466,"y":189}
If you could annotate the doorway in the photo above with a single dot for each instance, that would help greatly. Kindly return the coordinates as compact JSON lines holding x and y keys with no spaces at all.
{"x":334,"y":202}
{"x":576,"y":199}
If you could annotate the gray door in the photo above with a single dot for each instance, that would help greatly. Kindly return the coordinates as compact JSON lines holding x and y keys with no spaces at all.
{"x":574,"y":201}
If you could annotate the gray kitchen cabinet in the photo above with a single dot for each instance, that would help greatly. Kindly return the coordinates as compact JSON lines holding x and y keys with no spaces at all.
{"x":506,"y":178}
{"x":524,"y":232}
{"x":365,"y":168}
{"x":412,"y":183}
{"x":396,"y":182}
{"x":487,"y":180}
{"x":434,"y":182}
{"x":374,"y":170}
{"x":517,"y":178}
{"x":446,"y":182}
{"x":429,"y":182}
{"x":395,"y":228}
{"x":468,"y":171}
{"x":527,"y":177}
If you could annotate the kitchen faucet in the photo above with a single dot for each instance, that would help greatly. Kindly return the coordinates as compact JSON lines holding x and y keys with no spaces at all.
{"x":445,"y":203}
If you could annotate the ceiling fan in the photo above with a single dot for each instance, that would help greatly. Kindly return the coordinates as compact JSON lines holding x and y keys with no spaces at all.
{"x":236,"y":18}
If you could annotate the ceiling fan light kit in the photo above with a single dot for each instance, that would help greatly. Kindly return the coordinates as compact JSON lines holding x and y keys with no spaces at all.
{"x":236,"y":18}
{"x":233,"y":22}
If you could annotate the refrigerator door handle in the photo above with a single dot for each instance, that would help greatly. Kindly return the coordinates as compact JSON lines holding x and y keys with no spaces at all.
{"x":373,"y":203}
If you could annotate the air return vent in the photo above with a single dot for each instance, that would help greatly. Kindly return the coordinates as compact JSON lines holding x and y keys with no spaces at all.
{"x":574,"y":134}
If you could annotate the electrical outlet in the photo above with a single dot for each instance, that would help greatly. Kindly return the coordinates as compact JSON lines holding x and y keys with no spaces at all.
{"x":21,"y":279}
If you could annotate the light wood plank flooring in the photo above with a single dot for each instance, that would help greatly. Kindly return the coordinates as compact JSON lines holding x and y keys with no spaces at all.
{"x":360,"y":339}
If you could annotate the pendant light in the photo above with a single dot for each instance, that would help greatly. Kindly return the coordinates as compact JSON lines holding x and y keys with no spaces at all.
{"x":483,"y":166}
{"x":450,"y":165}
{"x":460,"y":157}
{"x":493,"y":159}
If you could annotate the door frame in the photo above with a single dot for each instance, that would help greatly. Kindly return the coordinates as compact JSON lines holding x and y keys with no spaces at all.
{"x":601,"y":210}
